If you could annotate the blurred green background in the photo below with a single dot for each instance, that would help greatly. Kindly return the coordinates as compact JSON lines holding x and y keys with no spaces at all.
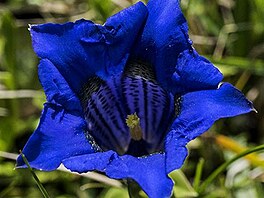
{"x":228,"y":32}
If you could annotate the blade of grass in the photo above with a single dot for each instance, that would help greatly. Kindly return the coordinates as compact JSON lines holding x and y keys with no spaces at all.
{"x":198,"y":174}
{"x":223,"y":167}
{"x":41,"y":187}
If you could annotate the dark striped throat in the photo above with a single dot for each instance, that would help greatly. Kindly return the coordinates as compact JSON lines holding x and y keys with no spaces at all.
{"x":128,"y":113}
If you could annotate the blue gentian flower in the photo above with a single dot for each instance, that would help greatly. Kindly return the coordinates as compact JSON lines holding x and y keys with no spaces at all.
{"x":124,"y":98}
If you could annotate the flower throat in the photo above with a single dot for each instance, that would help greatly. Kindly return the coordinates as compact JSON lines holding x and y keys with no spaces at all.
{"x":128,"y":113}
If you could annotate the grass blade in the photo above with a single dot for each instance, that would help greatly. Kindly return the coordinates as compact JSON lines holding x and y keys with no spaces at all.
{"x":223,"y":167}
{"x":41,"y":187}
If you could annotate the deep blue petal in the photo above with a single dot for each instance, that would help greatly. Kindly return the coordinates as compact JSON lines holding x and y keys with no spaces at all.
{"x":56,"y":88}
{"x":164,"y":37}
{"x":89,"y":162}
{"x":176,"y":151}
{"x":198,"y":111}
{"x":193,"y":72}
{"x":149,"y":172}
{"x":59,"y":135}
{"x":82,"y":49}
{"x":165,"y":32}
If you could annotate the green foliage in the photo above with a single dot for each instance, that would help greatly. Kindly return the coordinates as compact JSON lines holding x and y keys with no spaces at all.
{"x":104,"y":8}
{"x":115,"y":192}
{"x":229,"y":33}
{"x":182,"y":187}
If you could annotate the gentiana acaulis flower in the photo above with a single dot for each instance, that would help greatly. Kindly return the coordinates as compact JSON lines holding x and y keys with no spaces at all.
{"x":124,"y":98}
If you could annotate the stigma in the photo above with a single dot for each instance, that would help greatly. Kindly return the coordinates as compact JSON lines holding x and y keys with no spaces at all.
{"x":133,"y":123}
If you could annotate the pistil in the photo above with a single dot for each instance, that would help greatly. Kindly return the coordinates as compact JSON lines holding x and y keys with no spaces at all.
{"x":133,"y":122}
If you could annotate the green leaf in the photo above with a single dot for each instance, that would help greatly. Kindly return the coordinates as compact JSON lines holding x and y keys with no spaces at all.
{"x":182,"y":187}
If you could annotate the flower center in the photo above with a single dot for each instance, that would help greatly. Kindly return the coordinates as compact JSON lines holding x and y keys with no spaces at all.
{"x":128,"y":113}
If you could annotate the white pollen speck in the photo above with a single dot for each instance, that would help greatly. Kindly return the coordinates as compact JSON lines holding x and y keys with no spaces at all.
{"x":29,"y":27}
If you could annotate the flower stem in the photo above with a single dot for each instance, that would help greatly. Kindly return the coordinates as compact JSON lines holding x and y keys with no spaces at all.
{"x":222,"y":168}
{"x":133,"y":188}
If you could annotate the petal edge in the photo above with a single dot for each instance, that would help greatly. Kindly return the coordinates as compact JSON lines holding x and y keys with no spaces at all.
{"x":59,"y":135}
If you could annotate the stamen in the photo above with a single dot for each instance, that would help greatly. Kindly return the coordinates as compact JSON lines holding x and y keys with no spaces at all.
{"x":133,"y":122}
